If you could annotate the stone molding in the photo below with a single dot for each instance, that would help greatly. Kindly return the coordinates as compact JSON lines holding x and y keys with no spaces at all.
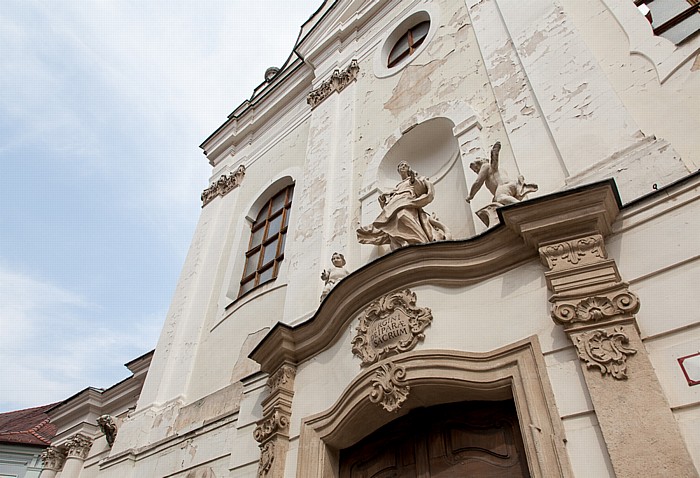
{"x":53,"y":458}
{"x":390,"y":325}
{"x":78,"y":446}
{"x":595,"y":308}
{"x":389,"y":387}
{"x":525,"y":228}
{"x":605,"y":349}
{"x":516,"y":371}
{"x":272,"y":431}
{"x":224,"y":185}
{"x":567,"y":254}
{"x":338,"y":81}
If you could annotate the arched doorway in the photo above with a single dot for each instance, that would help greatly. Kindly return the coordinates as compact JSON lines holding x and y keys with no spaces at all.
{"x":473,"y":438}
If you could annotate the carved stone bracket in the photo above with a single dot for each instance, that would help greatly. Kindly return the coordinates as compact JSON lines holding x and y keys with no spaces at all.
{"x":272,"y":432}
{"x":572,"y":253}
{"x":283,"y":378}
{"x":225,"y":184}
{"x":389,"y":387}
{"x":78,"y":446}
{"x":109,"y":427}
{"x":277,"y":422}
{"x":53,"y":458}
{"x":390,"y":325}
{"x":337,"y":82}
{"x":596,"y":308}
{"x":605,"y":350}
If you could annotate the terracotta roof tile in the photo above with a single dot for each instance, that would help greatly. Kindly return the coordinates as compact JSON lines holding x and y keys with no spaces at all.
{"x":30,"y":426}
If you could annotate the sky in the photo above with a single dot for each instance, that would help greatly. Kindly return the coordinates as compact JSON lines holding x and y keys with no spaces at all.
{"x":103,"y":105}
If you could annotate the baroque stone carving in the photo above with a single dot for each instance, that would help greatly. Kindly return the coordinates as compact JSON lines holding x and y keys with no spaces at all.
{"x":337,"y":82}
{"x":284,"y":376}
{"x":53,"y":458}
{"x":267,"y":456}
{"x":109,"y":427}
{"x":331,"y":277}
{"x":225,"y":184}
{"x":390,"y":325}
{"x":572,"y":252}
{"x":78,"y":446}
{"x":594,"y":309}
{"x":607,"y":351}
{"x":270,"y":425}
{"x":403,"y":221}
{"x":503,"y":189}
{"x":389,"y":387}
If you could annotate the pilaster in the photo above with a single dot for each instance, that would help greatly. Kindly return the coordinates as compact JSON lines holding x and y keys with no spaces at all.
{"x":596,"y":310}
{"x":272,"y":431}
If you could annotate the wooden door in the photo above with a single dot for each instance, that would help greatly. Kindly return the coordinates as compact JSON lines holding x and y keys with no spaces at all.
{"x":466,"y":439}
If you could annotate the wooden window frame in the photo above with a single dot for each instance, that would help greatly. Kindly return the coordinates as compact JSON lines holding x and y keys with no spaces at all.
{"x":412,"y":45}
{"x":265,"y":217}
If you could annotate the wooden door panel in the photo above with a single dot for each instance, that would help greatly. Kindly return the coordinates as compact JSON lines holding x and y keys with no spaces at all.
{"x":479,"y":439}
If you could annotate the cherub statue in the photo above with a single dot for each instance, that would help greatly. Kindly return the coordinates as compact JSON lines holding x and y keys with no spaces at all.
{"x":504,"y":190}
{"x":403,"y":220}
{"x":334,"y":275}
{"x":108,"y":427}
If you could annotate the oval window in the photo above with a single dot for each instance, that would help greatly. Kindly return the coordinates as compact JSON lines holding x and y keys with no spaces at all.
{"x":408,"y":43}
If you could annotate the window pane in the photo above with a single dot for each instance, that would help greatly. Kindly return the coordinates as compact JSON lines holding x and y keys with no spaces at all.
{"x":270,"y":252}
{"x":262,"y":215}
{"x":277,"y":202}
{"x":266,"y":275}
{"x":399,"y":50}
{"x":257,"y":237}
{"x":683,"y":30}
{"x":286,"y":218}
{"x":251,"y":264}
{"x":420,"y":31}
{"x":246,"y":287}
{"x":290,"y":193}
{"x":274,"y":227}
{"x":664,"y":10}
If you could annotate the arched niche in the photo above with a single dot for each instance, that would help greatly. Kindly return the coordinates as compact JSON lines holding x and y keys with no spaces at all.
{"x":436,"y":377}
{"x":438,"y":144}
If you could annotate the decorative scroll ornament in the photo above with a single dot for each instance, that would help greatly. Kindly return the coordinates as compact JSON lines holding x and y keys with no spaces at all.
{"x":594,"y":309}
{"x":390,"y":325}
{"x":267,"y":456}
{"x":270,"y":425}
{"x":389,"y":387}
{"x":607,"y":351}
{"x":571,"y":253}
{"x":79,"y":446}
{"x":53,"y":458}
{"x":337,"y":82}
{"x":224,"y":185}
{"x":283,"y":377}
{"x":108,"y":427}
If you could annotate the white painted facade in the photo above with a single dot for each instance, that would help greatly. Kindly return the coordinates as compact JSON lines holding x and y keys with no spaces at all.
{"x":576,"y":92}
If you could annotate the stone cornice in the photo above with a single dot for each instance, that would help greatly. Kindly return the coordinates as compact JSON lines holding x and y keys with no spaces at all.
{"x":524,"y":227}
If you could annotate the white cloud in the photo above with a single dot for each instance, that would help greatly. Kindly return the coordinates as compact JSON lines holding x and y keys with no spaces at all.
{"x":55,"y":343}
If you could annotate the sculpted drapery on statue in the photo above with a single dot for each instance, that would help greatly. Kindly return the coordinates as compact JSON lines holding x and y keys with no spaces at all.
{"x":503,"y":189}
{"x":403,"y":221}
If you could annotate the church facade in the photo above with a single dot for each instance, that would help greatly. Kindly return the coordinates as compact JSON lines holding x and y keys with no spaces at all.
{"x":446,"y":238}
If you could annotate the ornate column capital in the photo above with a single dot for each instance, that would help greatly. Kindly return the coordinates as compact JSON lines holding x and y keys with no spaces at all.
{"x":53,"y":458}
{"x":337,"y":82}
{"x":225,"y":184}
{"x":78,"y":446}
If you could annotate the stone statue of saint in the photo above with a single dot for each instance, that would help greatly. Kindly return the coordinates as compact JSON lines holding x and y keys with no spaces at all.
{"x":403,"y":220}
{"x":504,"y":190}
{"x":333,"y":276}
{"x":108,"y":427}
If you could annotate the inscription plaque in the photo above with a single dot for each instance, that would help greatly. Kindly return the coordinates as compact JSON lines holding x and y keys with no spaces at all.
{"x":390,"y":325}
